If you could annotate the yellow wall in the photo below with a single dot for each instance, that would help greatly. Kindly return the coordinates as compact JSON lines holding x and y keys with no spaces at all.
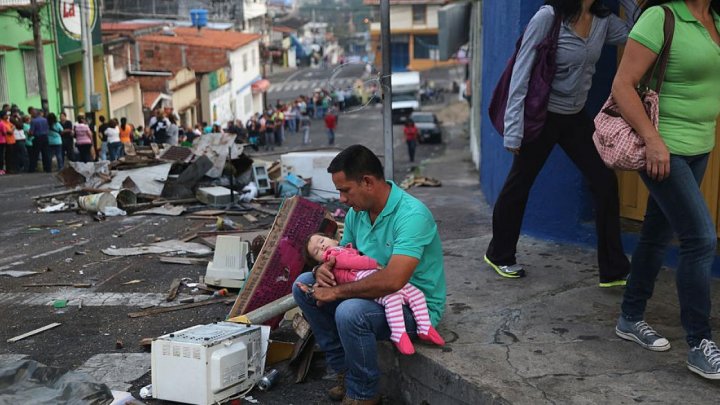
{"x":634,"y":194}
{"x":100,"y":85}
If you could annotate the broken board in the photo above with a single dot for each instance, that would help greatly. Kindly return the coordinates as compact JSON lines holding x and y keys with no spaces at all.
{"x":281,"y":258}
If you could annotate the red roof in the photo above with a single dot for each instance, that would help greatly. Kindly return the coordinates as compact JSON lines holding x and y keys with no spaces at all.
{"x":127,"y":26}
{"x":123,"y":83}
{"x":206,"y":38}
{"x":149,"y":98}
{"x":282,"y":28}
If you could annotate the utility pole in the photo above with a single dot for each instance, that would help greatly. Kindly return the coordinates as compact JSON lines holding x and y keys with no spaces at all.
{"x":87,"y":54}
{"x":40,"y":56}
{"x":386,"y":85}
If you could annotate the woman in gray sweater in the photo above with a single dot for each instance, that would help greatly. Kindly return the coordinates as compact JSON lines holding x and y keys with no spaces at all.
{"x":586,"y":27}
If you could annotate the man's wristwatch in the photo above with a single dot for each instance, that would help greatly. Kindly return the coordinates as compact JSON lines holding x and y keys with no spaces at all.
{"x":315,"y":269}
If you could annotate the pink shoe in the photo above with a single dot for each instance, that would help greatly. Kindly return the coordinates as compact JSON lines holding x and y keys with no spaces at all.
{"x":2,"y":172}
{"x":405,"y":346}
{"x":432,"y":336}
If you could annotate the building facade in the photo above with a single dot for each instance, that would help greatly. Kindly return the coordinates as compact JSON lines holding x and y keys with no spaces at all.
{"x":19,"y":83}
{"x":413,"y":34}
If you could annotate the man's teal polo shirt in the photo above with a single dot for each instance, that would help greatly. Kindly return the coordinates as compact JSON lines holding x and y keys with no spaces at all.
{"x":404,"y":227}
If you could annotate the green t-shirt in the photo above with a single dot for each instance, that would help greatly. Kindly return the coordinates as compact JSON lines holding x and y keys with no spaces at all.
{"x":690,"y":96}
{"x":404,"y":227}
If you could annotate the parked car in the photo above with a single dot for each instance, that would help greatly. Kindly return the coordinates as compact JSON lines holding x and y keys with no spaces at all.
{"x":428,"y":127}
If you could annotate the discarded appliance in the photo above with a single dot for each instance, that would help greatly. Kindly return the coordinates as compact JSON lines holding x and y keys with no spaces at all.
{"x":260,"y":177}
{"x":215,"y":195}
{"x":206,"y":364}
{"x":229,"y":267}
{"x":312,"y":165}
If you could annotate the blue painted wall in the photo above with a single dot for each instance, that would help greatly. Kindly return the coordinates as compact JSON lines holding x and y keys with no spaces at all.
{"x":560,"y":205}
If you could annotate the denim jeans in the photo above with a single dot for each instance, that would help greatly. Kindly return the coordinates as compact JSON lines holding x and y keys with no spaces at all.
{"x":57,"y":152}
{"x":40,"y":148}
{"x":348,"y":331}
{"x":411,"y":149}
{"x":676,"y":206}
{"x":331,"y":136}
{"x":115,"y":150}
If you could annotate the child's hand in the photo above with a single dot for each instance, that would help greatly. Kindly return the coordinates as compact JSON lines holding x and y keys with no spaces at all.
{"x":324,"y":275}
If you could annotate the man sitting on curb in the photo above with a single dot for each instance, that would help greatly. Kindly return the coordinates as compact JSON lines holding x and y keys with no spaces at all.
{"x":397,"y":230}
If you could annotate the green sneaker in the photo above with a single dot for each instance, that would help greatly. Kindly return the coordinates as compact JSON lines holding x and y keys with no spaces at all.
{"x":512,"y":271}
{"x":615,"y":283}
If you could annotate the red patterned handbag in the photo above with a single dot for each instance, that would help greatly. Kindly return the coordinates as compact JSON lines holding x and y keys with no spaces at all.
{"x":618,"y":144}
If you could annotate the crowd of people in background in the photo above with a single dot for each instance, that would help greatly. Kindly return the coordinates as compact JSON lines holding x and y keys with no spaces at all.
{"x":33,"y":137}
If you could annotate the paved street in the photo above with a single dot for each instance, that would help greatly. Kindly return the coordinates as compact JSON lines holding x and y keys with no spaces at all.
{"x":96,"y":333}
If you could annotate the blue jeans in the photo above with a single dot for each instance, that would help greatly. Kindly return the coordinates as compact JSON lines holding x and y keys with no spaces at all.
{"x":292,"y":125}
{"x":676,"y":206}
{"x":115,"y":150}
{"x":57,"y":152}
{"x":331,"y":136}
{"x":348,"y":331}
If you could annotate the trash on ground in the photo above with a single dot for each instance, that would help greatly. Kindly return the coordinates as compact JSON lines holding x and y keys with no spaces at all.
{"x":422,"y":181}
{"x":19,"y":273}
{"x":136,"y":281}
{"x":164,"y":247}
{"x":53,"y":208}
{"x":49,"y":385}
{"x":113,"y":212}
{"x":57,"y":304}
{"x":33,"y":332}
{"x":167,"y":209}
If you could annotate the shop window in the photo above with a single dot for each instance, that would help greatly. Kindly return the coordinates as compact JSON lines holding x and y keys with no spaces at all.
{"x":4,"y":96}
{"x":31,"y":73}
{"x":426,"y":46}
{"x":419,"y":14}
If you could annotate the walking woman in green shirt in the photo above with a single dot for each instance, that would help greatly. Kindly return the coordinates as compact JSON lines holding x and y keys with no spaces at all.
{"x":677,"y":156}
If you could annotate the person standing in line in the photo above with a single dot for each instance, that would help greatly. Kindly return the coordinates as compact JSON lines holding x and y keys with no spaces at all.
{"x":173,"y":131}
{"x":112,"y":134}
{"x":39,"y":129}
{"x":411,"y":137}
{"x":28,"y":138}
{"x":331,"y":125}
{"x":586,"y":27}
{"x":55,"y":140}
{"x":83,"y":139}
{"x":68,"y":145}
{"x":3,"y":143}
{"x":103,"y":151}
{"x":127,"y":132}
{"x":269,"y":132}
{"x":305,"y":125}
{"x":20,"y":144}
{"x":676,"y":154}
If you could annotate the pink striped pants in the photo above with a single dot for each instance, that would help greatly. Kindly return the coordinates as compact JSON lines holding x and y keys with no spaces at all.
{"x":410,"y":295}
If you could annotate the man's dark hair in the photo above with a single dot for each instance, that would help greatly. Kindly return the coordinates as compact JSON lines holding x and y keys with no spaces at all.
{"x":357,"y":161}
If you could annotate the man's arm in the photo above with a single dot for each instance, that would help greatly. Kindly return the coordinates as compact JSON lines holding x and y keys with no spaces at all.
{"x":384,"y":282}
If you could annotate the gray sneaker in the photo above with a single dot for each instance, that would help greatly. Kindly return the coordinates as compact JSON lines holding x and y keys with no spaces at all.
{"x":705,"y":360}
{"x":511,"y":271}
{"x":642,"y":334}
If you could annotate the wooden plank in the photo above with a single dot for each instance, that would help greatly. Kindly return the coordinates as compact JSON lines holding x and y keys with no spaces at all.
{"x":76,"y":285}
{"x":209,"y":213}
{"x":160,"y":310}
{"x":250,"y":218}
{"x":173,"y":291}
{"x":182,"y":260}
{"x":33,"y":332}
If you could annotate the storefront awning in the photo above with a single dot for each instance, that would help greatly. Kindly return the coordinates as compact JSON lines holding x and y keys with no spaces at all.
{"x":260,"y":86}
